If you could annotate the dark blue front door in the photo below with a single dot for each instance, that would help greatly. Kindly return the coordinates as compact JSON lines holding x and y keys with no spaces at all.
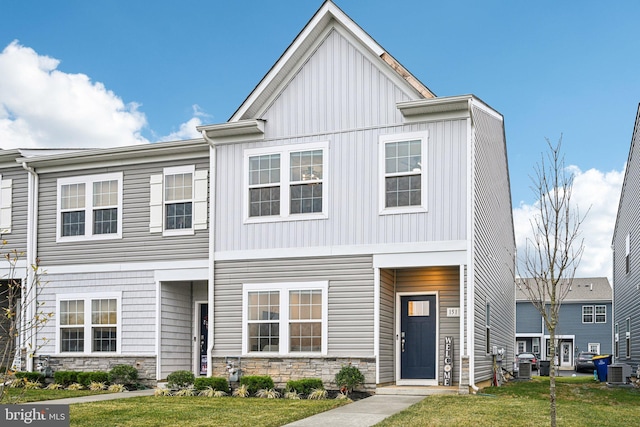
{"x":418,"y":337}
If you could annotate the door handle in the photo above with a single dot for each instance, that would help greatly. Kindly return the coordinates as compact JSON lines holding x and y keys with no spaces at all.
{"x":402,"y":342}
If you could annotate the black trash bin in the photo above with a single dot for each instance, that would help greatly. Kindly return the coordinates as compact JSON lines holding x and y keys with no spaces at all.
{"x":545,"y":366}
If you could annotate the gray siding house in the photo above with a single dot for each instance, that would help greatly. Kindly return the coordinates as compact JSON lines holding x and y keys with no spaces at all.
{"x":626,"y":260}
{"x":359,"y":219}
{"x":343,"y":214}
{"x":584,"y":325}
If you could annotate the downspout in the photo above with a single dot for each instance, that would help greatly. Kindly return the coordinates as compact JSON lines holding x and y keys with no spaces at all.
{"x":30,"y":294}
{"x":471,"y":296}
{"x":211,"y":269}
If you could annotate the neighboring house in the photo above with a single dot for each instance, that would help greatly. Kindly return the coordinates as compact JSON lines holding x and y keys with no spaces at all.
{"x":584,"y":322}
{"x":626,"y":260}
{"x":352,"y":217}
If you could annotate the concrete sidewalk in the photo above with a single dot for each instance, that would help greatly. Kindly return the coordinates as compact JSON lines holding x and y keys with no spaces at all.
{"x":361,"y":413}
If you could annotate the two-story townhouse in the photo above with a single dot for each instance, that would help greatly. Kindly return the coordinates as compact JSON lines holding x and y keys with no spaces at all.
{"x":359,"y":220}
{"x":584,"y":322}
{"x":122,"y":237}
{"x":626,"y":260}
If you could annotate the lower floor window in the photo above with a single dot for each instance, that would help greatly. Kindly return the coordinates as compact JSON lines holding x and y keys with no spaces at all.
{"x":95,"y":318}
{"x":285,"y":318}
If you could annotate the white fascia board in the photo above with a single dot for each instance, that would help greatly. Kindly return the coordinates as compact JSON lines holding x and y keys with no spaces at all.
{"x":190,"y":268}
{"x":322,"y":18}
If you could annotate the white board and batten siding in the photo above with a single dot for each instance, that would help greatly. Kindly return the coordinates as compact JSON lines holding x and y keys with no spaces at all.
{"x":350,"y":299}
{"x":493,"y":244}
{"x":137,"y":326}
{"x":137,"y":243}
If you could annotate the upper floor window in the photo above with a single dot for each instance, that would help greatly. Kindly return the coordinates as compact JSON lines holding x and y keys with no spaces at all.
{"x":285,"y":318}
{"x":5,"y":205}
{"x":594,"y":314}
{"x":90,"y":207}
{"x":627,"y":244}
{"x":88,"y":323}
{"x":178,"y":200}
{"x":286,"y":182}
{"x":403,"y":181}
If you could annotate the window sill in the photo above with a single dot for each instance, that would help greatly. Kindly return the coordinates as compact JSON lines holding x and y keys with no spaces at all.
{"x":92,"y":238}
{"x":294,"y":217}
{"x":180,"y":232}
{"x":403,"y":210}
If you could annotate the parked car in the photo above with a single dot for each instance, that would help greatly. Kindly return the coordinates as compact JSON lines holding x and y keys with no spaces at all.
{"x":527,"y":357}
{"x":584,"y":361}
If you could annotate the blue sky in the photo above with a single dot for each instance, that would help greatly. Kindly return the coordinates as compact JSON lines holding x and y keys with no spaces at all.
{"x":137,"y":71}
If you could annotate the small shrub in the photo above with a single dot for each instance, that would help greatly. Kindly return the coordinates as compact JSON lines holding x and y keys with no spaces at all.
{"x":257,"y":382}
{"x":126,"y":375}
{"x":32,"y":385}
{"x":304,"y":385}
{"x":216,"y":383}
{"x":211,"y":392}
{"x":54,"y":386}
{"x":241,"y":391}
{"x":318,"y":394}
{"x":66,"y":378}
{"x":30,"y":376}
{"x":96,"y":386}
{"x":292,"y":394}
{"x":116,"y":388}
{"x":268,"y":393}
{"x":186,"y":392}
{"x":349,"y":377}
{"x":180,"y":379}
{"x":161,"y":391}
{"x":75,"y":386}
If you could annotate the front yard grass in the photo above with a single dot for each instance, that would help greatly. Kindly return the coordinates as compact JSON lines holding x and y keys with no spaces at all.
{"x":19,"y":395}
{"x":581,"y":401}
{"x":196,"y":411}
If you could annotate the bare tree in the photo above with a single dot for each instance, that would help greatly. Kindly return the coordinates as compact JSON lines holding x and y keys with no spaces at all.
{"x":554,"y":252}
{"x":21,"y":316}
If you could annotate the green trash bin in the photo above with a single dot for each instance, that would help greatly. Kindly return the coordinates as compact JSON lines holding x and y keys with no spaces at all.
{"x":601,"y":363}
{"x":545,"y":366}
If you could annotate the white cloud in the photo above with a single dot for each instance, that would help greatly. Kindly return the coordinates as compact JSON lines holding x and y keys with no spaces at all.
{"x":41,"y":106}
{"x":599,"y":193}
{"x":187,"y":129}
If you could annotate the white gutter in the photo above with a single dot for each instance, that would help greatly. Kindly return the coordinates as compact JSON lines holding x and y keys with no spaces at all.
{"x":470,"y":265}
{"x":212,"y":217}
{"x":29,"y":293}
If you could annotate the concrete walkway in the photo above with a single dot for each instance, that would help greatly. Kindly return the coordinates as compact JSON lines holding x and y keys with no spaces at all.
{"x":96,"y":397}
{"x":361,"y":413}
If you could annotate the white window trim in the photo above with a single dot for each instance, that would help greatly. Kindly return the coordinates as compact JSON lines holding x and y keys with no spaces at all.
{"x":88,"y":337}
{"x":523,"y":344}
{"x":5,"y":205}
{"x":284,"y":289}
{"x":285,"y":160}
{"x":383,"y":140}
{"x":88,"y":181}
{"x":594,"y":344}
{"x":593,"y":313}
{"x":199,"y":201}
{"x":627,"y":336}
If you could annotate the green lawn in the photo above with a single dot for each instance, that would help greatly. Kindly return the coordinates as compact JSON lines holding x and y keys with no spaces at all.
{"x":580,"y":402}
{"x":196,"y":411}
{"x":20,"y":395}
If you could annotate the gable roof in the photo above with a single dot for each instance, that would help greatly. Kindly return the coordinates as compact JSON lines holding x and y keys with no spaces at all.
{"x":582,"y":289}
{"x":328,"y":16}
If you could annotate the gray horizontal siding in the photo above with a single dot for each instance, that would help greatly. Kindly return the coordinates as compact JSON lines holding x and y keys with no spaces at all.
{"x":137,"y":243}
{"x":176,"y":324}
{"x":493,"y":242}
{"x":17,"y":239}
{"x":528,"y":320}
{"x":138,"y":305}
{"x":350,"y":322}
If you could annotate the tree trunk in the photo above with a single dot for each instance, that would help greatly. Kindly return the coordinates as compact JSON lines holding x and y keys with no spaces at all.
{"x":552,"y":377}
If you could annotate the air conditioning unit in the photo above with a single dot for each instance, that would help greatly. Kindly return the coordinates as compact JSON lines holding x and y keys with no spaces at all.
{"x":524,"y":370}
{"x":618,"y":373}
